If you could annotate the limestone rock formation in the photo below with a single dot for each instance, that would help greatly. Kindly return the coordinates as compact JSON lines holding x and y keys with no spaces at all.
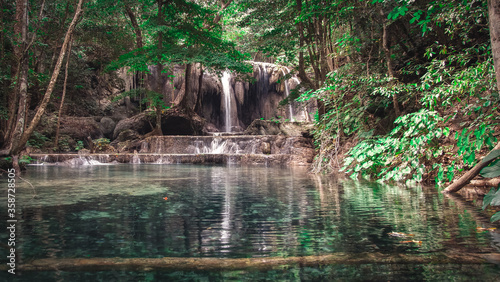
{"x":267,"y":127}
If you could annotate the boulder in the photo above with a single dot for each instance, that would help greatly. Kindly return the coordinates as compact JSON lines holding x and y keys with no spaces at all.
{"x":79,"y":128}
{"x":107,"y":126}
{"x":176,"y":121}
{"x":127,"y":141}
{"x":267,"y":127}
{"x":140,"y":123}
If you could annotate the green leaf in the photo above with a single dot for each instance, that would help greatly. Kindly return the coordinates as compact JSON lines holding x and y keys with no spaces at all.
{"x":495,"y":217}
{"x":492,"y":198}
{"x":488,"y":197}
{"x":492,"y":155}
{"x":470,"y":158}
{"x":491,"y":171}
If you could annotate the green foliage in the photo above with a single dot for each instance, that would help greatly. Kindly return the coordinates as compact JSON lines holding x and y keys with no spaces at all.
{"x":101,"y":144}
{"x":187,"y":35}
{"x":64,"y":144}
{"x":37,"y":140}
{"x":449,"y":80}
{"x":154,"y":98}
{"x":79,"y":145}
{"x":493,"y":170}
{"x":404,"y":154}
{"x":492,"y":198}
{"x":25,"y":159}
{"x":470,"y":142}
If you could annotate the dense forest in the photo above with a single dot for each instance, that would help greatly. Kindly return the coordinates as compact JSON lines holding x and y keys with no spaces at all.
{"x":405,"y":90}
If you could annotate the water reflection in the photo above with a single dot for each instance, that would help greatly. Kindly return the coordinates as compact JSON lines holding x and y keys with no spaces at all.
{"x":224,"y":211}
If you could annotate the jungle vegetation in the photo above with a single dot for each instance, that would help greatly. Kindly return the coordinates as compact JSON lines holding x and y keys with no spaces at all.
{"x":406,"y":89}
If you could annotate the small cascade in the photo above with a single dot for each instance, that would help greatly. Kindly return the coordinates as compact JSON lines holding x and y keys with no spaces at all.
{"x":218,"y":145}
{"x":135,"y":158}
{"x":216,"y":149}
{"x":41,"y":161}
{"x":287,"y":93}
{"x":226,"y":89}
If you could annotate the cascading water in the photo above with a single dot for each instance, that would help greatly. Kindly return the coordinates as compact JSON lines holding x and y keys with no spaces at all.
{"x":287,"y":92}
{"x":226,"y":89}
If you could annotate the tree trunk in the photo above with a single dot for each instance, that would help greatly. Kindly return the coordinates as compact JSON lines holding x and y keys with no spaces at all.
{"x":388,"y":58}
{"x":230,"y":264}
{"x":197,"y":107}
{"x":494,"y":17}
{"x":135,"y":25}
{"x":159,"y":82}
{"x":469,"y":175}
{"x":139,"y":42}
{"x":302,"y":72}
{"x":59,"y":115}
{"x":19,"y":96}
{"x":18,"y":144}
{"x":188,"y":89}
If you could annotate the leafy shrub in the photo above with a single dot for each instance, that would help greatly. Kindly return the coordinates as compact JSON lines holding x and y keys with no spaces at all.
{"x":25,"y":159}
{"x":404,"y":154}
{"x":101,"y":144}
{"x":37,"y":140}
{"x":79,"y":145}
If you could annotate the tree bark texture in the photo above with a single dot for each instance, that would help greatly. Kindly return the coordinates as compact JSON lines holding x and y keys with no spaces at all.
{"x":21,"y":142}
{"x":494,"y":24}
{"x":18,"y":97}
{"x":226,"y":264}
{"x":188,"y":89}
{"x":135,"y":25}
{"x":197,"y":107}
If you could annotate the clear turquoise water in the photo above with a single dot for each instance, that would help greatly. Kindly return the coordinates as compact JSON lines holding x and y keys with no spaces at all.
{"x":237,"y":212}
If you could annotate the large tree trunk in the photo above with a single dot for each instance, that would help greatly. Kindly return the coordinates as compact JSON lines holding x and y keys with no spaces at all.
{"x":230,"y":264}
{"x":19,"y":96}
{"x":188,"y":89}
{"x":19,"y":144}
{"x":197,"y":107}
{"x":494,"y":16}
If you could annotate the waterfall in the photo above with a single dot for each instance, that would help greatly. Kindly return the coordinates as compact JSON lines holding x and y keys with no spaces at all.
{"x":135,"y":159}
{"x":226,"y":89}
{"x":305,"y":115}
{"x":287,"y":92}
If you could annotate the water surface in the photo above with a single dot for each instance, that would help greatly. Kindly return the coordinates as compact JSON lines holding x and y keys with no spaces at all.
{"x":238,"y":212}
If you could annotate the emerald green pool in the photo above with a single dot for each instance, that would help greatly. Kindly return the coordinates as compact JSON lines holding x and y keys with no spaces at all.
{"x":109,"y":211}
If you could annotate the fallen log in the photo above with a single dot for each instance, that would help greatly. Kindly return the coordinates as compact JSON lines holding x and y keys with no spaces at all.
{"x":492,"y":182}
{"x":258,"y":263}
{"x":469,"y":175}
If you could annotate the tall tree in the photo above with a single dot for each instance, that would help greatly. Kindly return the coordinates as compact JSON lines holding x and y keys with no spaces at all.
{"x":17,"y":141}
